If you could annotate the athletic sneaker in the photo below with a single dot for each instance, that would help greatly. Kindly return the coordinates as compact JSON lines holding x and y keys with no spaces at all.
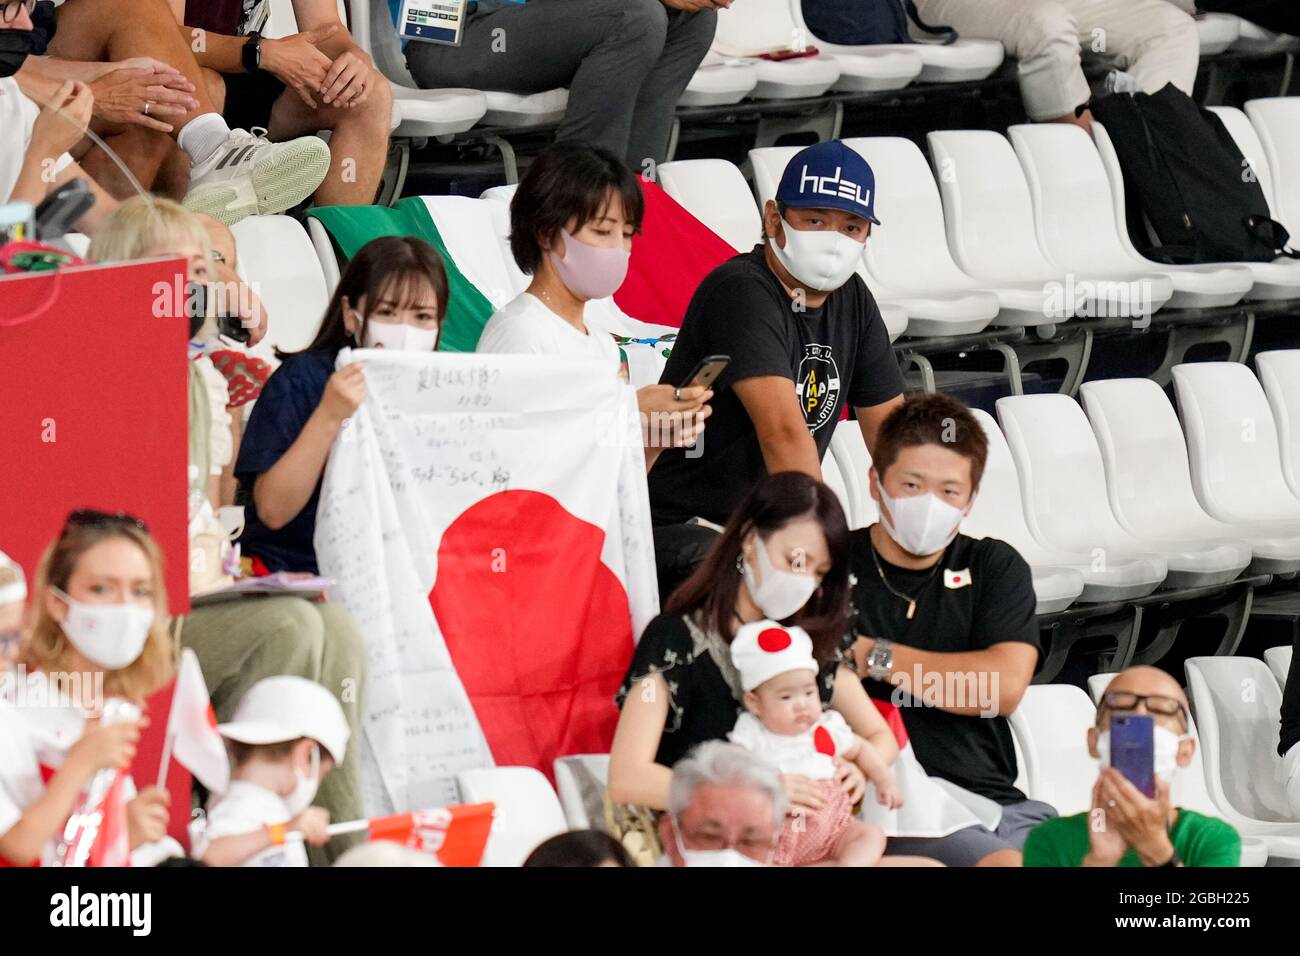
{"x":249,"y":174}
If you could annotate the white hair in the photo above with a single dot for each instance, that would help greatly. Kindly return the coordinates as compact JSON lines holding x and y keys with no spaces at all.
{"x":385,"y":853}
{"x":718,"y":763}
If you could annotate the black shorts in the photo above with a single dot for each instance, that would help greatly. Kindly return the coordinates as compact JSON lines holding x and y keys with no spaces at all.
{"x":249,"y":98}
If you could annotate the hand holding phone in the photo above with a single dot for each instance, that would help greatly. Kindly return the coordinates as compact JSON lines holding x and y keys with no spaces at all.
{"x":1132,"y":750}
{"x":706,"y":371}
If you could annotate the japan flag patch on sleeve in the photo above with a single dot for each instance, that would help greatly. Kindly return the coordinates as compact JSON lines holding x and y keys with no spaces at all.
{"x":956,"y":579}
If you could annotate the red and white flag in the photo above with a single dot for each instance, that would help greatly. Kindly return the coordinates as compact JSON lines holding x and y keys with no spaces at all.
{"x":112,"y":845}
{"x":486,"y":523}
{"x":455,"y":835}
{"x":192,"y":729}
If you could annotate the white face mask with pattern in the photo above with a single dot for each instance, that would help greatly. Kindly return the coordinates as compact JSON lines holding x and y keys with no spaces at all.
{"x":780,"y":593}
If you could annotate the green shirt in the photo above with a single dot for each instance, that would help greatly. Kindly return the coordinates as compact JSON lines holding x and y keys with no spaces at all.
{"x":1198,"y":840}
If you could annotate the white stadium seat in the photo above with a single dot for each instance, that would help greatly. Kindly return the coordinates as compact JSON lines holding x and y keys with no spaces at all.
{"x":1053,"y":722}
{"x":527,"y":810}
{"x":1236,"y":702}
{"x":1232,"y":445}
{"x":1074,"y":213}
{"x":428,"y":113}
{"x":999,"y":512}
{"x":719,"y":82}
{"x":1202,"y":286}
{"x":324,"y":246}
{"x":1278,"y":660}
{"x":1056,"y":588}
{"x":580,"y":783}
{"x":277,"y":258}
{"x":870,"y":68}
{"x":1217,"y":32}
{"x":1256,"y":40}
{"x":938,"y":313}
{"x":750,"y":27}
{"x":833,"y":478}
{"x":1188,"y":788}
{"x":1279,"y":279}
{"x":715,"y":192}
{"x":424,"y":113}
{"x":1148,"y":480}
{"x":1063,"y":484}
{"x":909,"y":254}
{"x":1279,"y":374}
{"x":958,"y":62}
{"x":1277,"y":121}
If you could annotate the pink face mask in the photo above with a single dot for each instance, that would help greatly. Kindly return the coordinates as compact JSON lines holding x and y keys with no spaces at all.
{"x":590,"y":272}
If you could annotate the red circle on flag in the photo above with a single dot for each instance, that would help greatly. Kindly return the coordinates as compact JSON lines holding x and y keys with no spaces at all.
{"x":823,"y":742}
{"x":774,"y":640}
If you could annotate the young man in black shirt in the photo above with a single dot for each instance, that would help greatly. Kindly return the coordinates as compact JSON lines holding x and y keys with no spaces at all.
{"x":805,"y":338}
{"x":945,"y":622}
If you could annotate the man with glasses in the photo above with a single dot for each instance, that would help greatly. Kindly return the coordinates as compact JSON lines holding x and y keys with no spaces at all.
{"x":1124,"y":827}
{"x":725,"y":808}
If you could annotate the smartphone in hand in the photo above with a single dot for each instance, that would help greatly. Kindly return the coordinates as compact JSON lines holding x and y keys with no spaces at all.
{"x":706,"y":372}
{"x":1132,"y":750}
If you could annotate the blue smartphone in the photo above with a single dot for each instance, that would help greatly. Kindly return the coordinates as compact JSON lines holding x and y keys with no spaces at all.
{"x":1132,"y":750}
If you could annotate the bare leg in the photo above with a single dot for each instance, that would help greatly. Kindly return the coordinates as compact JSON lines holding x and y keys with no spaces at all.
{"x":358,"y":143}
{"x":103,"y":31}
{"x":859,"y":845}
{"x":1002,"y":858}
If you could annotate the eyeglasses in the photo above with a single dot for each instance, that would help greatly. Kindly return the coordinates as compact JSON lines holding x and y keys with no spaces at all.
{"x":756,"y":848}
{"x":9,"y":11}
{"x":90,"y":518}
{"x":1159,"y":704}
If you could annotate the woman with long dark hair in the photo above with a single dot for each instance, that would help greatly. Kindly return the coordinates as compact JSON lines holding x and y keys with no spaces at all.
{"x":783,"y":556}
{"x":393,"y":295}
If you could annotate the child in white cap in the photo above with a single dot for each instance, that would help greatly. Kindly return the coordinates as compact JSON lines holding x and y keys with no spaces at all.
{"x":286,"y":735}
{"x":784,"y":723}
{"x":13,"y":595}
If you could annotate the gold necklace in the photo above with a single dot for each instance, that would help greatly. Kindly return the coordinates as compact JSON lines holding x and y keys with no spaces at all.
{"x":911,"y":601}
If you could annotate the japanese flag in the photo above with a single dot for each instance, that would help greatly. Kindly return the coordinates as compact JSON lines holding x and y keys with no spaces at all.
{"x":192,"y":728}
{"x":112,"y":845}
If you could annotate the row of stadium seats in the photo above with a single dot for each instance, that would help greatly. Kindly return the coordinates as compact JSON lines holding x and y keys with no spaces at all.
{"x":1235,"y":773}
{"x":730,"y":73}
{"x":1102,"y":500}
{"x":1028,"y":232}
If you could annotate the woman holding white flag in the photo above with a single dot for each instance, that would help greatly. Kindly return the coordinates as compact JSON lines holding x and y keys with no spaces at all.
{"x":98,"y":636}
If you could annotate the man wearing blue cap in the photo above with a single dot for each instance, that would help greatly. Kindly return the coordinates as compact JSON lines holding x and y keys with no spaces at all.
{"x":805,"y":338}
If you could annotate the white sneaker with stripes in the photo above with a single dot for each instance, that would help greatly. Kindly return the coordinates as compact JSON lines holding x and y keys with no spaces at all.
{"x":249,"y":175}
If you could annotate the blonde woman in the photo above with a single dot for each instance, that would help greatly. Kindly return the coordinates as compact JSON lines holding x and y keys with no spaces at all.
{"x":239,"y":642}
{"x":98,"y":630}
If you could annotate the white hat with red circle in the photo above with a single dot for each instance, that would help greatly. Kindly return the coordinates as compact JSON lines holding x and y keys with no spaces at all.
{"x":763,"y":649}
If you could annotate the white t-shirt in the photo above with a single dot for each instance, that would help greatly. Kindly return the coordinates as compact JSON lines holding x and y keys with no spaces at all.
{"x":796,"y":753}
{"x":17,"y":117}
{"x":246,"y":808}
{"x":36,"y":731}
{"x":526,"y":326}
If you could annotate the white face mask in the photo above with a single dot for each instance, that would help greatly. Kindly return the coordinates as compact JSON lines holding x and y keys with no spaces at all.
{"x":110,"y":635}
{"x":1164,"y":751}
{"x":780,"y":593}
{"x":921,"y":524}
{"x":304,"y":791}
{"x":821,"y":259}
{"x":399,"y":337}
{"x":727,"y":857}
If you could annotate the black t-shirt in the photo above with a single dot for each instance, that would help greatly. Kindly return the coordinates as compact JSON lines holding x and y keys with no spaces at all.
{"x":835,"y":353}
{"x":700,"y":703}
{"x":981,"y":594}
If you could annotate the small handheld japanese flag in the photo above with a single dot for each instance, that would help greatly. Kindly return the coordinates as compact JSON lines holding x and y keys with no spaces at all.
{"x":192,"y":728}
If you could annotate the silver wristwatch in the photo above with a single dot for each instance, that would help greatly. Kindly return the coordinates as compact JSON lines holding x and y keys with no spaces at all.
{"x":880,"y":662}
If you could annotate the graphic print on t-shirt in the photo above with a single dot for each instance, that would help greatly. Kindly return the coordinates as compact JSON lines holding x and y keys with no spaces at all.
{"x":818,"y":385}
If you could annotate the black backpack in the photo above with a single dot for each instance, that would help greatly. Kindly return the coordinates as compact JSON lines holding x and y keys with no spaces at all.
{"x":866,"y":22}
{"x":1185,"y":174}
